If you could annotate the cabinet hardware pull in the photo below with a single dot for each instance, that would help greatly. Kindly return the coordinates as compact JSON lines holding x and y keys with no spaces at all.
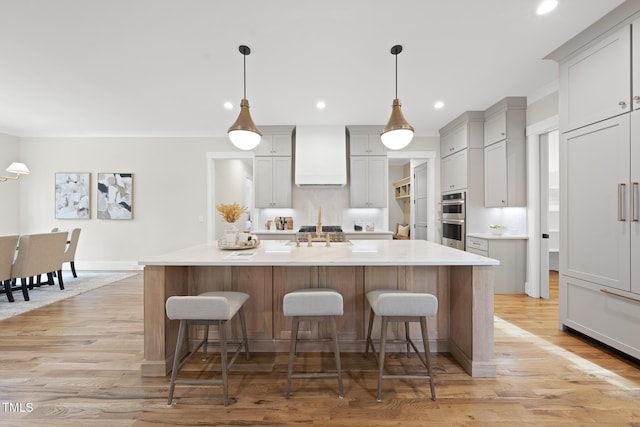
{"x":634,"y":211}
{"x":621,"y":188}
{"x":608,"y":292}
{"x":622,"y":104}
{"x":637,"y":99}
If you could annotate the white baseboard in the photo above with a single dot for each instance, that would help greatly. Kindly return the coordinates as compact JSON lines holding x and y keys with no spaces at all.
{"x":105,"y":265}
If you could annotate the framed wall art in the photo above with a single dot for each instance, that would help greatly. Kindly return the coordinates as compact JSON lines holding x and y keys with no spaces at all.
{"x":72,"y":195}
{"x":115,"y":195}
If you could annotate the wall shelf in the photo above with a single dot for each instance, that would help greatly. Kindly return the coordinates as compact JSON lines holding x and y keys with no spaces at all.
{"x":403,"y":188}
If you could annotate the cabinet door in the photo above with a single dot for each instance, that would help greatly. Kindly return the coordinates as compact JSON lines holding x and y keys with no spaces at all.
{"x":265,"y":148}
{"x":453,"y":174}
{"x":359,"y":185}
{"x":359,"y":145}
{"x":281,"y":145}
{"x":635,"y":57}
{"x":281,"y":187}
{"x":634,"y":201}
{"x":377,"y":176}
{"x":495,"y":128}
{"x":454,"y":141}
{"x":596,"y":84}
{"x":263,"y":182}
{"x":376,"y":147}
{"x":594,"y":222}
{"x":495,"y":175}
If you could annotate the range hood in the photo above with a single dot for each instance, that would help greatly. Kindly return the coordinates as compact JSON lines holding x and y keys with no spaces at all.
{"x":320,"y":156}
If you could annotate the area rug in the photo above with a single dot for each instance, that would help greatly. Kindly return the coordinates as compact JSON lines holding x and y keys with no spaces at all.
{"x":45,"y":295}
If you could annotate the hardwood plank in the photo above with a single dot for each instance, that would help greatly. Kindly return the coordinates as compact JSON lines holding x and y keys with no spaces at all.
{"x":77,"y":362}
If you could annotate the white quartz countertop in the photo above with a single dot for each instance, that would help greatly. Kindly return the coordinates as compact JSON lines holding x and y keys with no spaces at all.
{"x":505,"y":236}
{"x":354,"y":253}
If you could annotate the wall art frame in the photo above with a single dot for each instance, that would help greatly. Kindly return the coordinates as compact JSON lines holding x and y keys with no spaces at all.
{"x":72,"y":195}
{"x":115,"y":195}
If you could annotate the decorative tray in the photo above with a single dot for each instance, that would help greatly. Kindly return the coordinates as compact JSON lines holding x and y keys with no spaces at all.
{"x":223,"y":245}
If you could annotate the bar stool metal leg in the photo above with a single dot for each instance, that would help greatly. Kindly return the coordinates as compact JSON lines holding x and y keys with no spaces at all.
{"x":427,"y":355}
{"x":336,"y":352}
{"x":292,"y":352}
{"x":383,"y":340}
{"x":222,"y":331}
{"x":176,"y":359}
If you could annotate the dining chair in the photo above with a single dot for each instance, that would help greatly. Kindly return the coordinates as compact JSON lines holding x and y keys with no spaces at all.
{"x":39,"y":254}
{"x":7,"y":255}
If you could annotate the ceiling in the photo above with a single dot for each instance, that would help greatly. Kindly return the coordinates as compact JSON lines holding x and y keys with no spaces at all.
{"x":166,"y":67}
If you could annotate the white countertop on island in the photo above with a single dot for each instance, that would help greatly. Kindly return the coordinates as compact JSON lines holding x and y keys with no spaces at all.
{"x":356,"y":252}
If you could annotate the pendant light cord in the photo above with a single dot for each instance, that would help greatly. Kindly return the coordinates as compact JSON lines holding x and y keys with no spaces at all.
{"x":244,"y":82}
{"x":396,"y":76}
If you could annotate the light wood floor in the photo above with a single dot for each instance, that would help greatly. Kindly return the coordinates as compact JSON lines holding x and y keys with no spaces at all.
{"x":76,"y":363}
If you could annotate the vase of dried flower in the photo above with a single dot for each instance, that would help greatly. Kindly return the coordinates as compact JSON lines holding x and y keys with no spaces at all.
{"x":231,"y":235}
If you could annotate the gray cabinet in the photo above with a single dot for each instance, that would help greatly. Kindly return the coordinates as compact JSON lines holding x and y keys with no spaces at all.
{"x":599,"y":176}
{"x":458,"y":139}
{"x":273,"y":182}
{"x":369,"y":178}
{"x":367,"y":144}
{"x":505,"y":157}
{"x":278,"y":144}
{"x":511,"y":274}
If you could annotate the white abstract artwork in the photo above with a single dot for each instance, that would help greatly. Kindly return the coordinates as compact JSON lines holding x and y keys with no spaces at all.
{"x":115,"y":194}
{"x":72,"y":196}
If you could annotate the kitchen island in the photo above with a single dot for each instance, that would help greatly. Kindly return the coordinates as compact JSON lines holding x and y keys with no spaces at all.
{"x":462,"y":282}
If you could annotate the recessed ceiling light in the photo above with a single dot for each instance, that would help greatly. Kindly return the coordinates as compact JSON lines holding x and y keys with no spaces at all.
{"x":546,"y":6}
{"x":320,"y":105}
{"x":228,"y":105}
{"x":438,"y":105}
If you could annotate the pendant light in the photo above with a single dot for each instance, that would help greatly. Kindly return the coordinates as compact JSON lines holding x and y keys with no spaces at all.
{"x":398,"y":132}
{"x":243,"y":133}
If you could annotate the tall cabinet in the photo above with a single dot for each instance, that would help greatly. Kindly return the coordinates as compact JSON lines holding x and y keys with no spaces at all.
{"x":505,"y":162}
{"x":599,"y":195}
{"x":272,"y":174}
{"x":369,"y":169}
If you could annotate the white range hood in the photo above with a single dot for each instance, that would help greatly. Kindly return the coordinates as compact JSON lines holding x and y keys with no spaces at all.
{"x":321,"y":156}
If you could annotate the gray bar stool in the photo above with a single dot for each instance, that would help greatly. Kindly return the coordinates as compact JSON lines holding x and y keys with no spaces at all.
{"x":320,"y":304}
{"x":402,"y":306}
{"x":209,"y":308}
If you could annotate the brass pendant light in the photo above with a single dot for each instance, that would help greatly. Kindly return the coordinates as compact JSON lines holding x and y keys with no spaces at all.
{"x":398,"y":133}
{"x":243,"y":133}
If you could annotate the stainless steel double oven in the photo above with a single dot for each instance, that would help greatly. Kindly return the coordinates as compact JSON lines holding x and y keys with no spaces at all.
{"x":454,"y":215}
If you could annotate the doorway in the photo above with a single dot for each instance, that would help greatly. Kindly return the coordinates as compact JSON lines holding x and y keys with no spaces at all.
{"x":538,"y":194}
{"x":229,"y":180}
{"x":403,"y":211}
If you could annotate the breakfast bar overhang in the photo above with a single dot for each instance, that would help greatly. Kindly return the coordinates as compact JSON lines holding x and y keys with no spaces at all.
{"x":462,"y":282}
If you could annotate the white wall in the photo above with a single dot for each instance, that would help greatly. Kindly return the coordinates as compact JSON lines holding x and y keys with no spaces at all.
{"x":9,"y":190}
{"x":169,"y":194}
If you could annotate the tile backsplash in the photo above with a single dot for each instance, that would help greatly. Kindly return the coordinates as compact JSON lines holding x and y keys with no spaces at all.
{"x":335,"y":210}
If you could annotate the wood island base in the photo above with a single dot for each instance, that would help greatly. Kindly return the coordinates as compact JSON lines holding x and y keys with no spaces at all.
{"x":462,"y":327}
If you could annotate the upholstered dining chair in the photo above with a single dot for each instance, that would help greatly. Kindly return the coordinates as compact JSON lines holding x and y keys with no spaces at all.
{"x":72,"y":245}
{"x":7,"y":255}
{"x":39,"y":254}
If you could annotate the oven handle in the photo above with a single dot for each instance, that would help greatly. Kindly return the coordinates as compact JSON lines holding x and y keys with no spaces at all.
{"x":452,"y":202}
{"x":453,"y":221}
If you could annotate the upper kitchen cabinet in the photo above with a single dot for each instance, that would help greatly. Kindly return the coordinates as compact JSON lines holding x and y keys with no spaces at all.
{"x":453,"y":172}
{"x":369,"y":168}
{"x":460,"y":141}
{"x":273,"y":182}
{"x":276,"y":141}
{"x":460,"y":133}
{"x":366,"y":142}
{"x":505,"y":157}
{"x":369,"y":178}
{"x":595,"y":83}
{"x":273,"y":168}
